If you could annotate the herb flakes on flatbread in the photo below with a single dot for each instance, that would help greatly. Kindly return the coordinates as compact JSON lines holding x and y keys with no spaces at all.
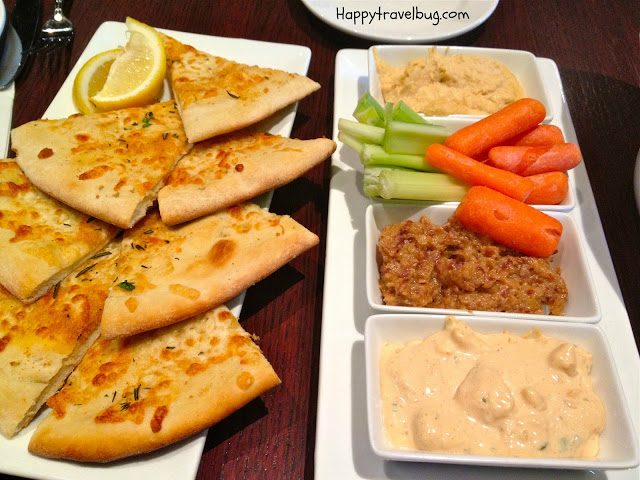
{"x":41,"y":240}
{"x":40,"y":343}
{"x":134,"y":395}
{"x":109,"y":165}
{"x":167,"y":274}
{"x":233,"y":168}
{"x":216,"y":95}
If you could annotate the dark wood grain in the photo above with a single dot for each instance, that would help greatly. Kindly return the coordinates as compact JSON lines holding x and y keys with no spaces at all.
{"x":595,"y":45}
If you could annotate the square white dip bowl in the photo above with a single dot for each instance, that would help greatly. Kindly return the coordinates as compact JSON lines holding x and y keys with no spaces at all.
{"x":618,"y":443}
{"x":582,"y":301}
{"x":521,"y":63}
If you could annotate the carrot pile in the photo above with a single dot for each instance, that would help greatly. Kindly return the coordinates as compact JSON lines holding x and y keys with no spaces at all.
{"x":511,"y":161}
{"x":512,"y":120}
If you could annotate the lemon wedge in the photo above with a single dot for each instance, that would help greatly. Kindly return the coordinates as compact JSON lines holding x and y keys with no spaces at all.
{"x":136,"y":76}
{"x":91,"y":78}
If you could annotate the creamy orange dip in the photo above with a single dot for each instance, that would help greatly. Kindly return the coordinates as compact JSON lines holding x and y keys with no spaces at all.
{"x":450,"y":84}
{"x":460,"y":391}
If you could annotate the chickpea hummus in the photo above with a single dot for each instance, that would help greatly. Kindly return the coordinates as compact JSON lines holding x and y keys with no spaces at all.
{"x":442,"y":85}
{"x":460,"y":391}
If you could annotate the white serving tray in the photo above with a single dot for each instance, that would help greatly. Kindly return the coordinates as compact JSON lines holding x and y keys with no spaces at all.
{"x":181,"y":460}
{"x":342,"y":447}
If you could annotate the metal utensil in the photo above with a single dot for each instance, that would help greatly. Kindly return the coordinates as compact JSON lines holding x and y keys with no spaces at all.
{"x":56,"y":31}
{"x":25,"y":19}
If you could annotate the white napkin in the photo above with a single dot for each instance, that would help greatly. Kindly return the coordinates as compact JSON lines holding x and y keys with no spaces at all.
{"x":6,"y":112}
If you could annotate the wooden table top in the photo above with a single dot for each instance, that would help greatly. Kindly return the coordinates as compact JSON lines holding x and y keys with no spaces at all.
{"x":595,"y":45}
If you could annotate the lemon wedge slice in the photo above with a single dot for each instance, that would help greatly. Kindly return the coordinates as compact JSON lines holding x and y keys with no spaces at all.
{"x":136,"y":76}
{"x":91,"y":78}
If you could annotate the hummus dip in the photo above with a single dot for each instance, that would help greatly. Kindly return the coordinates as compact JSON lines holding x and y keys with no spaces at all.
{"x":459,"y":391}
{"x":441,"y":85}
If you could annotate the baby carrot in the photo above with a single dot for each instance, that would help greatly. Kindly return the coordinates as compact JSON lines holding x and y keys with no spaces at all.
{"x":533,"y":160}
{"x":509,"y":222}
{"x":549,"y":188}
{"x":512,"y":120}
{"x":538,"y":136}
{"x":476,"y":173}
{"x":557,"y":158}
{"x":514,"y":159}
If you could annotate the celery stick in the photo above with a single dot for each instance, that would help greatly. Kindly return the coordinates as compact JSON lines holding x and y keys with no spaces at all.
{"x":388,"y":113}
{"x":408,"y":185}
{"x":412,"y":138}
{"x":374,"y":155}
{"x":403,"y":113}
{"x":368,"y":116}
{"x":360,"y":131}
{"x":350,"y":141}
{"x":369,"y":111}
{"x":370,"y":182}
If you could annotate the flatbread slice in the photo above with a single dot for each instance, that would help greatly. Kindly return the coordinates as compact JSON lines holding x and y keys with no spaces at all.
{"x":167,"y":274}
{"x":217,"y":96}
{"x":108,"y":165}
{"x":41,"y":240}
{"x":233,"y":168}
{"x":42,"y":342}
{"x":137,"y":394}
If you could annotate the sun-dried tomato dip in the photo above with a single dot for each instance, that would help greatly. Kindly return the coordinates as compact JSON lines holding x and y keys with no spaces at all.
{"x":448,"y":266}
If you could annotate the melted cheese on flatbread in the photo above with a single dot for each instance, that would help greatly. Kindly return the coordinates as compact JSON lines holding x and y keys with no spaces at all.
{"x":167,"y":274}
{"x":41,"y":343}
{"x":41,"y":240}
{"x":137,"y":394}
{"x":216,"y":95}
{"x":108,"y":165}
{"x":230,"y":169}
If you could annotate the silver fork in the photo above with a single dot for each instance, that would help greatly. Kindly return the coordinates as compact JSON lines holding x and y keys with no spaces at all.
{"x":57,"y":31}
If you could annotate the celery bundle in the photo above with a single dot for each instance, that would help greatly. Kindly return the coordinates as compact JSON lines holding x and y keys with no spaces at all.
{"x":392,"y":141}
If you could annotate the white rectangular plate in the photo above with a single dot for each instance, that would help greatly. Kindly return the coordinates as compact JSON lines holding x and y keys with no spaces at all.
{"x":342,"y":447}
{"x":618,"y":445}
{"x":570,"y":258}
{"x":179,"y":461}
{"x":6,"y":113}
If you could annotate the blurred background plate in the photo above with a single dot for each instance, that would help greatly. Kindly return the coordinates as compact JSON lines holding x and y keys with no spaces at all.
{"x":403,"y":21}
{"x":9,"y":58}
{"x":636,"y":181}
{"x":3,"y":19}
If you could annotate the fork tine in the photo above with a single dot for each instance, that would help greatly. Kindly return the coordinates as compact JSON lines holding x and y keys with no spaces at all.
{"x":37,"y":48}
{"x":49,"y":47}
{"x":44,"y":46}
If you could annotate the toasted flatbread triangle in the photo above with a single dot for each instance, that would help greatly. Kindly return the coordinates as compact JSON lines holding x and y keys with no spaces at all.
{"x":108,"y":165}
{"x":167,"y":274}
{"x":217,"y":96}
{"x":41,"y":240}
{"x":42,"y":342}
{"x":233,"y":168}
{"x":137,"y":394}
